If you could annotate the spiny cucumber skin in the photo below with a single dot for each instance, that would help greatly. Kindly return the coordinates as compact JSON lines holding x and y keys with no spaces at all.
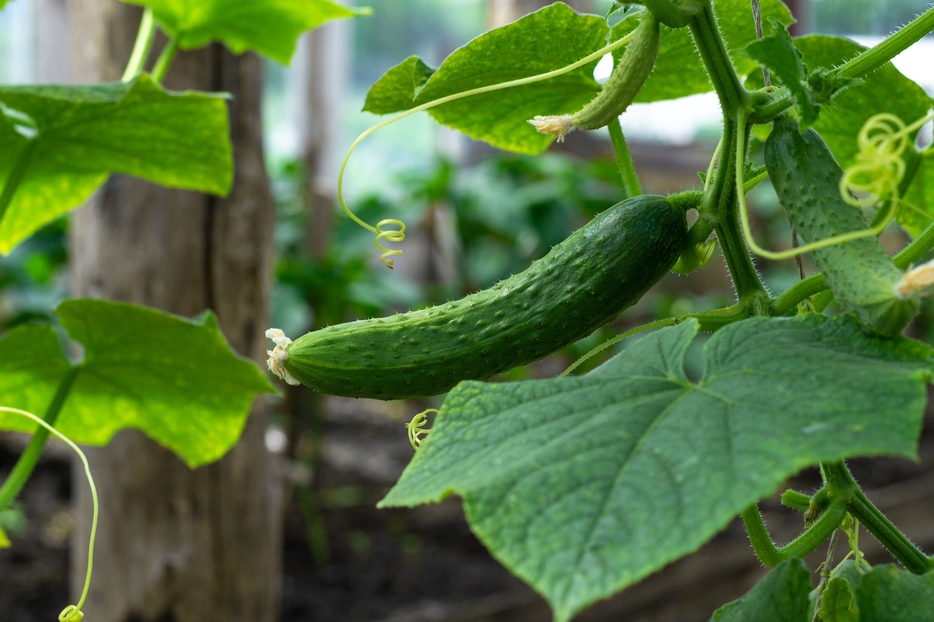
{"x":627,"y":78}
{"x":806,"y":178}
{"x":583,"y":283}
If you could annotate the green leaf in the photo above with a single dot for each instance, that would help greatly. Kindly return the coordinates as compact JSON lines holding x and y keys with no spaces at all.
{"x":4,"y":541}
{"x":888,"y":594}
{"x":679,"y":71}
{"x":84,"y":133}
{"x":885,"y":90}
{"x":778,"y":53}
{"x":175,"y":379}
{"x":397,"y":89}
{"x":838,"y":601}
{"x":584,"y":485}
{"x":270,"y":27}
{"x":544,"y":41}
{"x":782,"y":596}
{"x":918,"y":211}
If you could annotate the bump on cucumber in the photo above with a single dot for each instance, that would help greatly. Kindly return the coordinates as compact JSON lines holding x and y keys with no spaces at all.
{"x":583,"y":283}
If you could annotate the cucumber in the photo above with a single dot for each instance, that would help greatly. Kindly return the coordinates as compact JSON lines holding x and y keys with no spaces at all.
{"x":581,"y":284}
{"x":806,"y":178}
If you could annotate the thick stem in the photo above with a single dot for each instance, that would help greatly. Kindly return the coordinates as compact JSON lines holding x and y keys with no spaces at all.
{"x":720,"y":68}
{"x":674,"y":15}
{"x":720,"y":203}
{"x":147,"y":32}
{"x":13,"y":180}
{"x":888,"y":535}
{"x":165,"y":60}
{"x":771,"y":555}
{"x":901,"y":40}
{"x":627,"y":169}
{"x":27,"y":462}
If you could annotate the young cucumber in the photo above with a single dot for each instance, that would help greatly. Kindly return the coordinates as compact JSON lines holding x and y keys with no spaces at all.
{"x":860,"y":273}
{"x":583,"y":283}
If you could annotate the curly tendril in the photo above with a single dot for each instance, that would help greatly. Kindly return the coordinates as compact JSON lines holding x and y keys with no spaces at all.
{"x":71,"y":613}
{"x":416,"y":427}
{"x":398,"y":235}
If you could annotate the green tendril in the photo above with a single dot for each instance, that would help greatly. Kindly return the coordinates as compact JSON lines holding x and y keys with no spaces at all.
{"x":800,"y":250}
{"x":398,"y":235}
{"x":416,"y":427}
{"x":71,"y":613}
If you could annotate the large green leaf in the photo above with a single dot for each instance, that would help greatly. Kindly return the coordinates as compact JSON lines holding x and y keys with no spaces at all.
{"x":918,"y":211}
{"x":543,"y":41}
{"x":888,"y":594}
{"x":81,"y":134}
{"x":584,"y":485}
{"x":270,"y":27}
{"x":782,"y":596}
{"x":176,"y":380}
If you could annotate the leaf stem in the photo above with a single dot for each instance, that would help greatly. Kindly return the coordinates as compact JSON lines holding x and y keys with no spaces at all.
{"x":144,"y":38}
{"x":165,"y":60}
{"x":17,"y":173}
{"x":27,"y":461}
{"x":813,"y":536}
{"x":627,"y":170}
{"x":898,"y":42}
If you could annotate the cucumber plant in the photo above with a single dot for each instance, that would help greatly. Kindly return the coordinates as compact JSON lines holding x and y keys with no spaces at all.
{"x":584,"y":484}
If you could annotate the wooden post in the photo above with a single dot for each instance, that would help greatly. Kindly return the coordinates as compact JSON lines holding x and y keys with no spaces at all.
{"x":176,"y":544}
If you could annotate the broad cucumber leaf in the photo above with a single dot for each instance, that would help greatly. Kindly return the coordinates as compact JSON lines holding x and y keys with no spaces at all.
{"x":175,"y":379}
{"x":78,"y":135}
{"x":544,"y":41}
{"x":778,"y":53}
{"x":889,"y":594}
{"x":270,"y":27}
{"x":838,"y":601}
{"x":584,"y":485}
{"x":782,"y":596}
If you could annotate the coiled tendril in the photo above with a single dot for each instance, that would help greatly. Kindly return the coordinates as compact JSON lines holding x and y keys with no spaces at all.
{"x":416,"y":427}
{"x":879,"y":167}
{"x":71,"y":613}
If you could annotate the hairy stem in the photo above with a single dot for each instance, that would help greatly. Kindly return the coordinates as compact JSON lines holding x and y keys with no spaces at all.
{"x":627,"y":169}
{"x":27,"y":461}
{"x":901,"y":40}
{"x":147,"y":32}
{"x":720,"y":68}
{"x":771,"y":555}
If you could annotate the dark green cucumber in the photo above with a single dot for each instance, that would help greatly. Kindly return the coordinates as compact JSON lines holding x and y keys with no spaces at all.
{"x":627,"y":78}
{"x":862,"y":276}
{"x":583,"y":283}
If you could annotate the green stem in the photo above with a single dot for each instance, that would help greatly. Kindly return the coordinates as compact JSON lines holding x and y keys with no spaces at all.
{"x":627,"y":169}
{"x":796,"y":500}
{"x":813,"y":536}
{"x":144,"y":38}
{"x":720,"y":203}
{"x":888,"y":535}
{"x":720,"y":68}
{"x":27,"y":461}
{"x":18,"y":172}
{"x":671,"y":14}
{"x":165,"y":59}
{"x":901,"y":40}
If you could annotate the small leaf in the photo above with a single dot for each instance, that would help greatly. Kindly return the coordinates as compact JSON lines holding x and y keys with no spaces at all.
{"x":270,"y":27}
{"x":584,"y":485}
{"x":838,"y":601}
{"x":782,"y":596}
{"x":777,"y":52}
{"x":4,"y":540}
{"x":175,"y":379}
{"x":888,"y":594}
{"x":84,"y":133}
{"x":398,"y":87}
